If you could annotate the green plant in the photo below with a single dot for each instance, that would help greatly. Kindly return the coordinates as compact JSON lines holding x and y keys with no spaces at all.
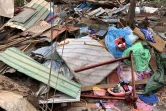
{"x":158,"y":1}
{"x":20,"y":3}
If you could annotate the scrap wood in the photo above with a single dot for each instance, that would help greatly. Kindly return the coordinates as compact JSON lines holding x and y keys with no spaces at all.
{"x":104,"y":86}
{"x":21,"y":40}
{"x":131,"y":13}
{"x":9,"y":85}
{"x":59,"y":30}
{"x":38,"y":27}
{"x":32,"y":42}
{"x":159,"y":45}
{"x":11,"y":101}
{"x":14,"y":42}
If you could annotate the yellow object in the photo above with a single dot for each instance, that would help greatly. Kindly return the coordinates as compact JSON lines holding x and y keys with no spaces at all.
{"x":96,"y":88}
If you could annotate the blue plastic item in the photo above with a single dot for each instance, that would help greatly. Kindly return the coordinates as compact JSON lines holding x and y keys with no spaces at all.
{"x":148,"y":35}
{"x":91,"y":31}
{"x":84,"y":5}
{"x":114,"y":33}
{"x":149,"y":99}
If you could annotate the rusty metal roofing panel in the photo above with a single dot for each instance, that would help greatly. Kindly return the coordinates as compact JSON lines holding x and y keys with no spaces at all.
{"x":41,"y":7}
{"x":25,"y":64}
{"x":38,"y":27}
{"x":58,"y":31}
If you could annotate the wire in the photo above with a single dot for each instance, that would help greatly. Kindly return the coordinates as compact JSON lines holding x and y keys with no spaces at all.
{"x":60,"y":64}
{"x":65,"y":36}
{"x":48,"y":84}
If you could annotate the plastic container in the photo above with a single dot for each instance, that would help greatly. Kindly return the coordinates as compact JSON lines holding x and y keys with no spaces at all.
{"x":99,"y":92}
{"x":118,"y":94}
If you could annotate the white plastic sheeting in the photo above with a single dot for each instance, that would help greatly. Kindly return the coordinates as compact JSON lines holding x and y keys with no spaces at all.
{"x":7,"y":8}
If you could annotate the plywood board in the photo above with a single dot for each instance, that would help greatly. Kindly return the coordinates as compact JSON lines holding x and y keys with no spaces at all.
{"x":159,"y":45}
{"x":83,"y":52}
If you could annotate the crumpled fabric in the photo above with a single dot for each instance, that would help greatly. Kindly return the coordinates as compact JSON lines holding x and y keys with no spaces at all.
{"x":7,"y":8}
{"x":124,"y":71}
{"x":157,"y":79}
{"x":148,"y":35}
{"x":114,"y":33}
{"x":141,"y":57}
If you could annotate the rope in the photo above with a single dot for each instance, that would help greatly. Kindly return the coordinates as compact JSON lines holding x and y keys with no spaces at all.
{"x":48,"y":84}
{"x":140,"y":58}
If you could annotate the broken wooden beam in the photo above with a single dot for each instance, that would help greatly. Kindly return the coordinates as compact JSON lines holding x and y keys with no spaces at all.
{"x":131,"y":13}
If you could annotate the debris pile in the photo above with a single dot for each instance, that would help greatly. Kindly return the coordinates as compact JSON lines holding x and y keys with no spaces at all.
{"x":109,"y":55}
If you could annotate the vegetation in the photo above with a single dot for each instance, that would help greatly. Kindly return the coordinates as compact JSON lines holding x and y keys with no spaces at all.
{"x":19,"y":3}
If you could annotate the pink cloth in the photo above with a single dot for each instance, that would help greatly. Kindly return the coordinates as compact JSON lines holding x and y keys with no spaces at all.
{"x":143,"y":106}
{"x":124,"y":71}
{"x":111,"y":105}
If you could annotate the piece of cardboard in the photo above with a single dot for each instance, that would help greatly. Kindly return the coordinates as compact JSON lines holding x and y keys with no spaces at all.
{"x":159,"y":45}
{"x":113,"y":77}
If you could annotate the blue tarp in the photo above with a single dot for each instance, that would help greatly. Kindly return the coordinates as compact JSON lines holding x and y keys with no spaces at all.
{"x":114,"y":33}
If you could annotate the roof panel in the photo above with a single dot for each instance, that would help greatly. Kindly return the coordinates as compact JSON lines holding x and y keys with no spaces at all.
{"x":23,"y":16}
{"x":42,"y":12}
{"x":23,"y":63}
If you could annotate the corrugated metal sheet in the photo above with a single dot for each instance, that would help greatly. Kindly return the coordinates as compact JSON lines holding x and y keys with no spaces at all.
{"x":41,"y":7}
{"x":87,"y":51}
{"x":38,"y":27}
{"x":23,"y":16}
{"x":25,"y":64}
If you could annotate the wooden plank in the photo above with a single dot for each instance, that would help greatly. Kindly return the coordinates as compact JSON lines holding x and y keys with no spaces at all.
{"x":77,"y":54}
{"x":105,"y":86}
{"x":159,"y":45}
{"x":131,"y":13}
